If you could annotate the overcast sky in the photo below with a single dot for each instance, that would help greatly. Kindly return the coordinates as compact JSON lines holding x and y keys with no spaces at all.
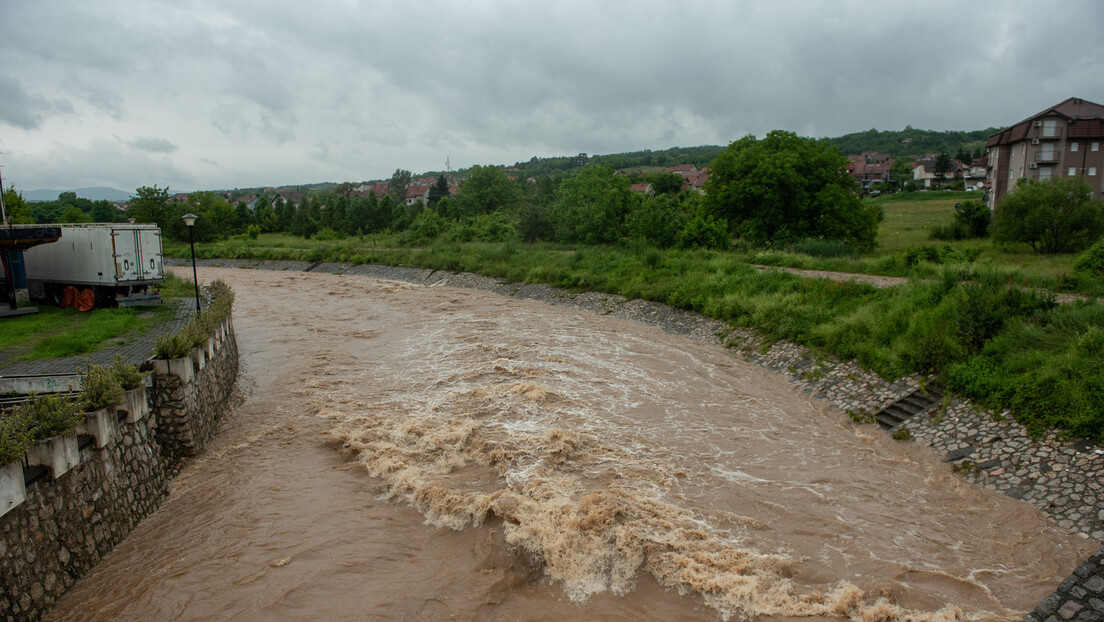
{"x":212,"y":94}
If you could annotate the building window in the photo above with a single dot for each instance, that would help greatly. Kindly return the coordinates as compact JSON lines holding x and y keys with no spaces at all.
{"x":1073,"y":146}
{"x":1072,"y":171}
{"x":1095,"y":147}
{"x":1092,"y":171}
{"x":1044,"y":173}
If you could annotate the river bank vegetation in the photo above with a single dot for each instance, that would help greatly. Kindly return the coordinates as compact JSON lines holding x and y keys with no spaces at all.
{"x":981,"y":315}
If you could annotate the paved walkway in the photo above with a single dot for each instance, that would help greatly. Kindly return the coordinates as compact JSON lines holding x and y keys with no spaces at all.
{"x":135,"y":349}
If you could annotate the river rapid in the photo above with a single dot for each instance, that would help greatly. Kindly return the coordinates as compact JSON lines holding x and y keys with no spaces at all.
{"x":402,"y":452}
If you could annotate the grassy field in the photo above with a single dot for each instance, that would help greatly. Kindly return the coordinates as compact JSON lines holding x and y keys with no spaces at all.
{"x":54,"y":332}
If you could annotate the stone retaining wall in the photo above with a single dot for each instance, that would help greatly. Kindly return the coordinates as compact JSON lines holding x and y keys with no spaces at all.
{"x":65,"y":525}
{"x":190,"y":394}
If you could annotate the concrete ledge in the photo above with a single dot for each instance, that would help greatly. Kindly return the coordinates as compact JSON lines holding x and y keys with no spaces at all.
{"x":59,"y":453}
{"x":182,"y":368}
{"x":12,"y":489}
{"x":40,"y":383}
{"x":102,"y":425}
{"x":136,"y":404}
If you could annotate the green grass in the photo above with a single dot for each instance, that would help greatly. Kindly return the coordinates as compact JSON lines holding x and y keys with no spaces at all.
{"x":100,"y":327}
{"x":20,"y":332}
{"x":54,"y":332}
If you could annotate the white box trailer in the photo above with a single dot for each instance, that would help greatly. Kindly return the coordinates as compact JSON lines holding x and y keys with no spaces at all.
{"x":119,"y":262}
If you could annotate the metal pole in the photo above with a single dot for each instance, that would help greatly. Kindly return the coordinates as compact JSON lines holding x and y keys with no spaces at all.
{"x":195,"y":277}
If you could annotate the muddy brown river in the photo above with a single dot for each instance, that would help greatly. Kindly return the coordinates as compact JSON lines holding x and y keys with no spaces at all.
{"x":401,"y":452}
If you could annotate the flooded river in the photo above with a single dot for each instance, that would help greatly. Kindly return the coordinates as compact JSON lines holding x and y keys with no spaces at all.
{"x":427,"y":453}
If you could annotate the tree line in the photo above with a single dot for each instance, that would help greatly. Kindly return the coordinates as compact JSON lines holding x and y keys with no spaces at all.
{"x":782,"y":188}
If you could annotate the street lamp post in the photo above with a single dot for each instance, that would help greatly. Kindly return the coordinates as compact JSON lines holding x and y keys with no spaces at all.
{"x":189,"y":220}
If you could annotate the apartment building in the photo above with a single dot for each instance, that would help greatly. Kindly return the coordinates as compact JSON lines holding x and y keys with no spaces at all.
{"x":1061,"y":141}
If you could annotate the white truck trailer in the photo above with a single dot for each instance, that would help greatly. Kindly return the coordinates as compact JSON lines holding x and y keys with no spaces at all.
{"x":118,"y":261}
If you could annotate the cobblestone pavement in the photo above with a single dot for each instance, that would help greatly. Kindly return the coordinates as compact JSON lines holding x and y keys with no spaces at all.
{"x":1060,"y":477}
{"x":135,"y":348}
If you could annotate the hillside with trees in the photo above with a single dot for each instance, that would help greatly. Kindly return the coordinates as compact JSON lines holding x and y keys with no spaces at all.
{"x":910,"y":141}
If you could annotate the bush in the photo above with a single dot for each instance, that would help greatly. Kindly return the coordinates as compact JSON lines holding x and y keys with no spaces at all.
{"x":49,"y":415}
{"x":128,"y":375}
{"x":1052,"y":216}
{"x":825,"y":249}
{"x":200,"y":329}
{"x":705,"y":232}
{"x":971,"y":220}
{"x":15,"y":436}
{"x":100,"y":388}
{"x":940,"y":255}
{"x":1091,"y":262}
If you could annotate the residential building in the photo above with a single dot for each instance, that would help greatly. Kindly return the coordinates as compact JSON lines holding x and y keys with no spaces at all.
{"x":869,"y":168}
{"x":1061,"y":141}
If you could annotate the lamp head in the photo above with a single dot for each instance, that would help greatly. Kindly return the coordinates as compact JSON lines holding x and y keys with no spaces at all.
{"x":189,"y":219}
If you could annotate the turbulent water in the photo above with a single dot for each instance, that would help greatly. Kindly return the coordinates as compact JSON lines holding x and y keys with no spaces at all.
{"x":428,"y":453}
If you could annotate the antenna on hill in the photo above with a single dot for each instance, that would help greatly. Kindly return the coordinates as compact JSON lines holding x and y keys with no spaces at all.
{"x":3,"y":210}
{"x":448,"y":165}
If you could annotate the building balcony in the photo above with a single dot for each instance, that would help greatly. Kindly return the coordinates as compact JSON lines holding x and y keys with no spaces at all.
{"x":1047,"y":157}
{"x":1047,"y":133}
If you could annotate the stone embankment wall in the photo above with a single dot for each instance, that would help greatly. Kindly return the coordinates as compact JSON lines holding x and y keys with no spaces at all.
{"x":190,"y":394}
{"x":69,"y":521}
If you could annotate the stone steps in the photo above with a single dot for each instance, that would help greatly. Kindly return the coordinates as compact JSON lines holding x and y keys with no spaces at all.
{"x":915,"y":403}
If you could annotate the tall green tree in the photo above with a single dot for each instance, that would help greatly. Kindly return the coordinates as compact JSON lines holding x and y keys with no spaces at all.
{"x":591,"y":206}
{"x":487,"y":189}
{"x":398,"y":184}
{"x":1052,"y":216}
{"x":17,"y":209}
{"x":901,"y":171}
{"x":786,"y":187}
{"x":150,"y":206}
{"x":440,"y":190}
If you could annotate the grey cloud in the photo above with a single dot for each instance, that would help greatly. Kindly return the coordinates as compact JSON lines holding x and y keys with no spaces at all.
{"x":23,"y":110}
{"x":152,"y":145}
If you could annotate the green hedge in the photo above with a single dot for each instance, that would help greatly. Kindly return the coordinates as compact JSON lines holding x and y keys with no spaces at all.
{"x":201,"y":328}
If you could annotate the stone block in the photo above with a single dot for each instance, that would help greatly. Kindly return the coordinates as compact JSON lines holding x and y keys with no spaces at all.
{"x":12,"y":490}
{"x":102,"y":425}
{"x":59,"y":453}
{"x":136,"y":404}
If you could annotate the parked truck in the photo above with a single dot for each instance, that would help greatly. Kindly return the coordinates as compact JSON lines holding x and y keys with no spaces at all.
{"x":119,"y":262}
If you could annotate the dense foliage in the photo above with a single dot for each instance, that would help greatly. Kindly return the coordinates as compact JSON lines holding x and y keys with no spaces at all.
{"x":912,"y":142}
{"x":784,"y":188}
{"x":1052,"y":216}
{"x":971,"y":220}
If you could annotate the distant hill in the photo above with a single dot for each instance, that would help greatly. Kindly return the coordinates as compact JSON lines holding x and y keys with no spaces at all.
{"x":911,"y":141}
{"x":92,"y":194}
{"x":905,"y":142}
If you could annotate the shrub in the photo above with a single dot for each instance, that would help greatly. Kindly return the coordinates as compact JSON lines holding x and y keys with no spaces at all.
{"x":941,"y":254}
{"x":971,"y":220}
{"x":200,"y":329}
{"x":705,"y":232}
{"x":128,"y":375}
{"x":1091,"y":262}
{"x":15,"y":436}
{"x":100,"y":388}
{"x":825,"y":249}
{"x":49,"y":415}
